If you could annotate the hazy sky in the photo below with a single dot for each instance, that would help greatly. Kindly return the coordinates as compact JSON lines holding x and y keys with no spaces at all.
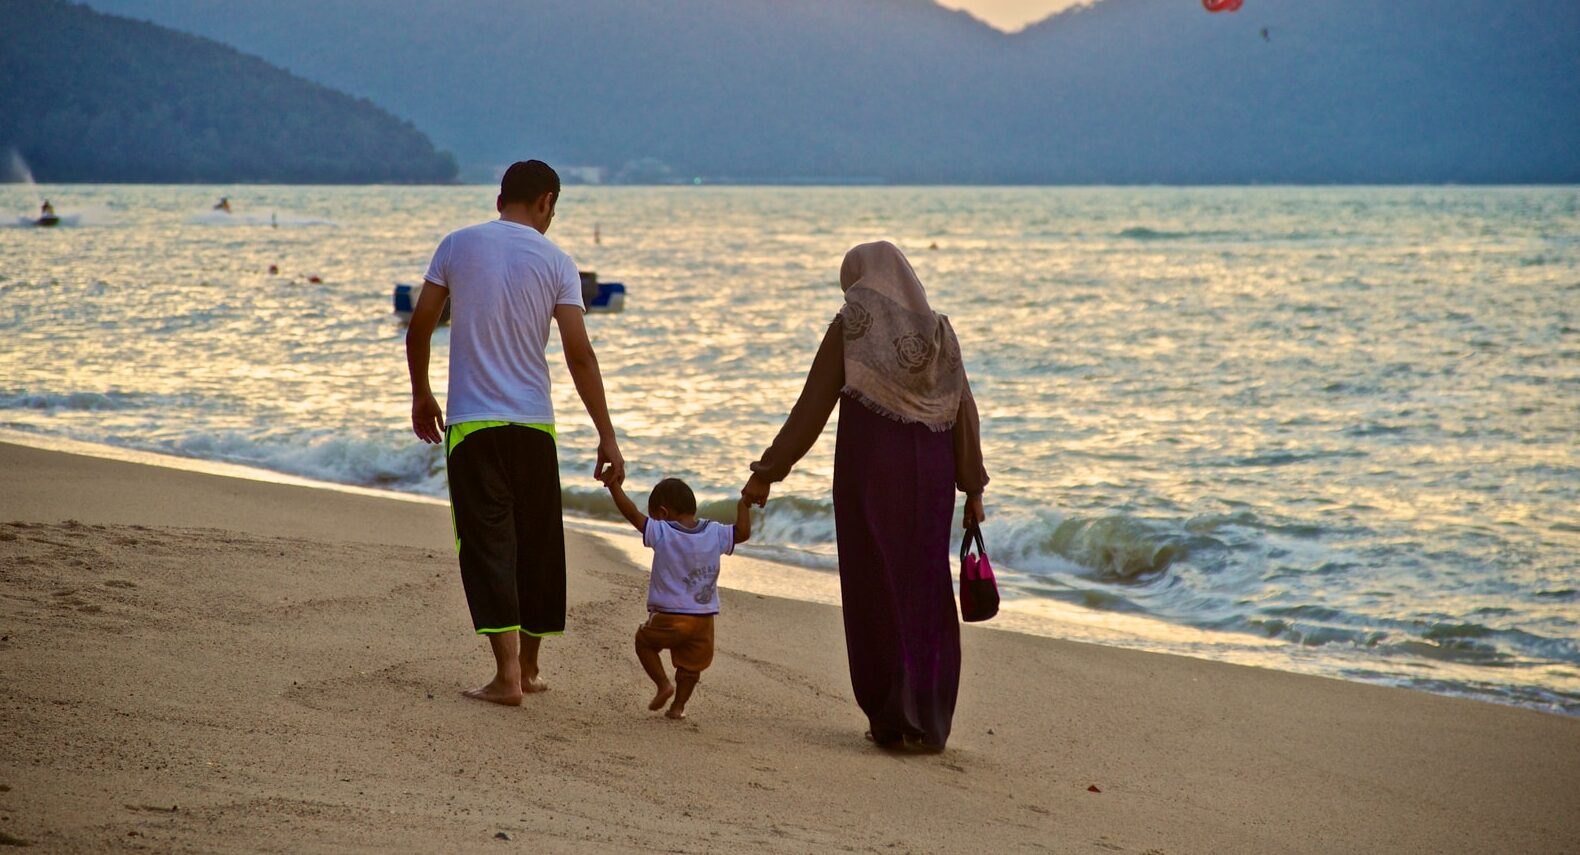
{"x":1010,"y":15}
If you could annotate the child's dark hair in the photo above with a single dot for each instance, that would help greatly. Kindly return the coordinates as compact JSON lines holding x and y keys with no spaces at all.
{"x":672,"y":493}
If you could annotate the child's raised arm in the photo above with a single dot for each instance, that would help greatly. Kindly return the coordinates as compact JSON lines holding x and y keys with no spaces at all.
{"x":743,"y":520}
{"x":627,"y":507}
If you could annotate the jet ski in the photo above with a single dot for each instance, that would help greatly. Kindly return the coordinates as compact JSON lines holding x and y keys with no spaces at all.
{"x":406,"y":297}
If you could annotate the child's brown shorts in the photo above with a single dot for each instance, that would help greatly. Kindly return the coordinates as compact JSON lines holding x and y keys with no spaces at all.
{"x":688,"y":638}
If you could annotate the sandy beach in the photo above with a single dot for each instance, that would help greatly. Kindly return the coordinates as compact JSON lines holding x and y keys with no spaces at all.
{"x":199,"y":663}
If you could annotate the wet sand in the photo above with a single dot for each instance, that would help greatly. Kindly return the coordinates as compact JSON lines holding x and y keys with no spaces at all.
{"x":198,"y":663}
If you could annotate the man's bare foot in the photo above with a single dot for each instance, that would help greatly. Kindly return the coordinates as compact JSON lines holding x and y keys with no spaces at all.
{"x":533,"y":685}
{"x":675,"y":713}
{"x":497,"y":692}
{"x":663,"y":696}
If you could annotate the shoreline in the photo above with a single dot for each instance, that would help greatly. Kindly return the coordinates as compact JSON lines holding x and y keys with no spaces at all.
{"x":205,"y":663}
{"x":751,"y":571}
{"x":856,"y":185}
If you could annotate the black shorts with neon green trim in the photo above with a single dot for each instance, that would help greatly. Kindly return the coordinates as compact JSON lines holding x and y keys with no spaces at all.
{"x":505,"y":498}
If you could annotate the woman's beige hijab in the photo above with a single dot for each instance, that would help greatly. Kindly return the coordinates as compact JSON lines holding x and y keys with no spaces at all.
{"x":901,"y":358}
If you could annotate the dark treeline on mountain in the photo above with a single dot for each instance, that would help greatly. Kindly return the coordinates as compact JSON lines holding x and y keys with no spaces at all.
{"x":1121,"y":91}
{"x":92,"y":97}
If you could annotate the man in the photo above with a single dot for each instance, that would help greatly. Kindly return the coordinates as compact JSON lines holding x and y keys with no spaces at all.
{"x":505,"y":280}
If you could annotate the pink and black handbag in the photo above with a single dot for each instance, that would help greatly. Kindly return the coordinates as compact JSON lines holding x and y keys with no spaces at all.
{"x":978,"y":590}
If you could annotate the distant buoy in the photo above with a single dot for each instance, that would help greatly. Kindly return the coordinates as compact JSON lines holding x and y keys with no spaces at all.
{"x":1222,"y":5}
{"x":316,"y":280}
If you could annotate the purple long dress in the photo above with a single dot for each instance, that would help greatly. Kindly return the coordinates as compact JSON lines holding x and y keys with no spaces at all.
{"x":894,"y":501}
{"x":894,"y":509}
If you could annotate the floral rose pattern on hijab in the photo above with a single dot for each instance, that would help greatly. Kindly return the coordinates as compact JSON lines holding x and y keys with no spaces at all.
{"x":914,"y":352}
{"x":856,"y":321}
{"x":902,"y":359}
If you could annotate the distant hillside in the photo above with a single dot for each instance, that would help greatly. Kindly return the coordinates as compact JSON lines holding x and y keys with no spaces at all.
{"x":1122,"y":91}
{"x":92,"y":97}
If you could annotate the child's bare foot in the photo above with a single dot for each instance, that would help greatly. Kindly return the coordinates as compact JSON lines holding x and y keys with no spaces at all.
{"x":676,"y":713}
{"x":665,"y":692}
{"x":497,"y":692}
{"x":533,"y":685}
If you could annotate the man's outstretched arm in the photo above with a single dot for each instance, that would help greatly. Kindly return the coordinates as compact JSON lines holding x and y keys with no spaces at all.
{"x":583,"y":364}
{"x":427,"y":418}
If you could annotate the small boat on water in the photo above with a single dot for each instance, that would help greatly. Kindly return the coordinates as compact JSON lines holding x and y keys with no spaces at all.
{"x":599,"y":297}
{"x":406,"y":297}
{"x":46,"y":216}
{"x":602,"y":297}
{"x":46,"y":221}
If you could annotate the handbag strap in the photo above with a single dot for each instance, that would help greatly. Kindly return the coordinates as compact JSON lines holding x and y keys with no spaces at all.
{"x":973,"y":533}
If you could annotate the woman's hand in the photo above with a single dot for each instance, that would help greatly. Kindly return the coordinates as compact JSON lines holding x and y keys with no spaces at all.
{"x":756,"y":491}
{"x":974,"y":511}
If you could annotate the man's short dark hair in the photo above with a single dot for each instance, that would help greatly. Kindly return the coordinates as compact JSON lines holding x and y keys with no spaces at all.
{"x":527,"y":180}
{"x":672,"y":493}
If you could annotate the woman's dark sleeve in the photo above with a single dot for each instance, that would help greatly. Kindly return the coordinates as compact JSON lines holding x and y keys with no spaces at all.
{"x":970,"y":474}
{"x":811,"y":411}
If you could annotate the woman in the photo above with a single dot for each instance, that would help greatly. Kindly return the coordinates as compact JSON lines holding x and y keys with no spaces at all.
{"x":908,"y":436}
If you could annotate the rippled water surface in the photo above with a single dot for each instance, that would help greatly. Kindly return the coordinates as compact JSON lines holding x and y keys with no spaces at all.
{"x":1331,"y":430}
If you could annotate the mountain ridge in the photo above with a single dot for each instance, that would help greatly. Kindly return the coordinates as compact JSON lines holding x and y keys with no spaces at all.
{"x":1117,"y":91}
{"x":86,"y":96}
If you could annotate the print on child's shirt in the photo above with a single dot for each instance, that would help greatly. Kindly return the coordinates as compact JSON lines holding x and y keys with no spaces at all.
{"x":700,"y":576}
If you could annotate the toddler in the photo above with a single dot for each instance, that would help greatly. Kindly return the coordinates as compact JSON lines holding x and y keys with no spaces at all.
{"x":683,"y":588}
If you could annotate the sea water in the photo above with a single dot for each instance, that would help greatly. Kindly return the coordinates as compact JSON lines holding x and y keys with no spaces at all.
{"x":1330,"y":430}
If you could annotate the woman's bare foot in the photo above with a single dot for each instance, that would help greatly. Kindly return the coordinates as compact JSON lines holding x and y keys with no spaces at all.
{"x":497,"y":692}
{"x":675,"y":713}
{"x":664,"y":694}
{"x":885,"y":743}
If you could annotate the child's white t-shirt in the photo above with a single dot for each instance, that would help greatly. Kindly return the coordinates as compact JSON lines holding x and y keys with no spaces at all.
{"x":685,"y":577}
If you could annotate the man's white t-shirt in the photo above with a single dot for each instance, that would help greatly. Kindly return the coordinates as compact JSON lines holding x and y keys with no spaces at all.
{"x":505,"y":280}
{"x":685,"y":577}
